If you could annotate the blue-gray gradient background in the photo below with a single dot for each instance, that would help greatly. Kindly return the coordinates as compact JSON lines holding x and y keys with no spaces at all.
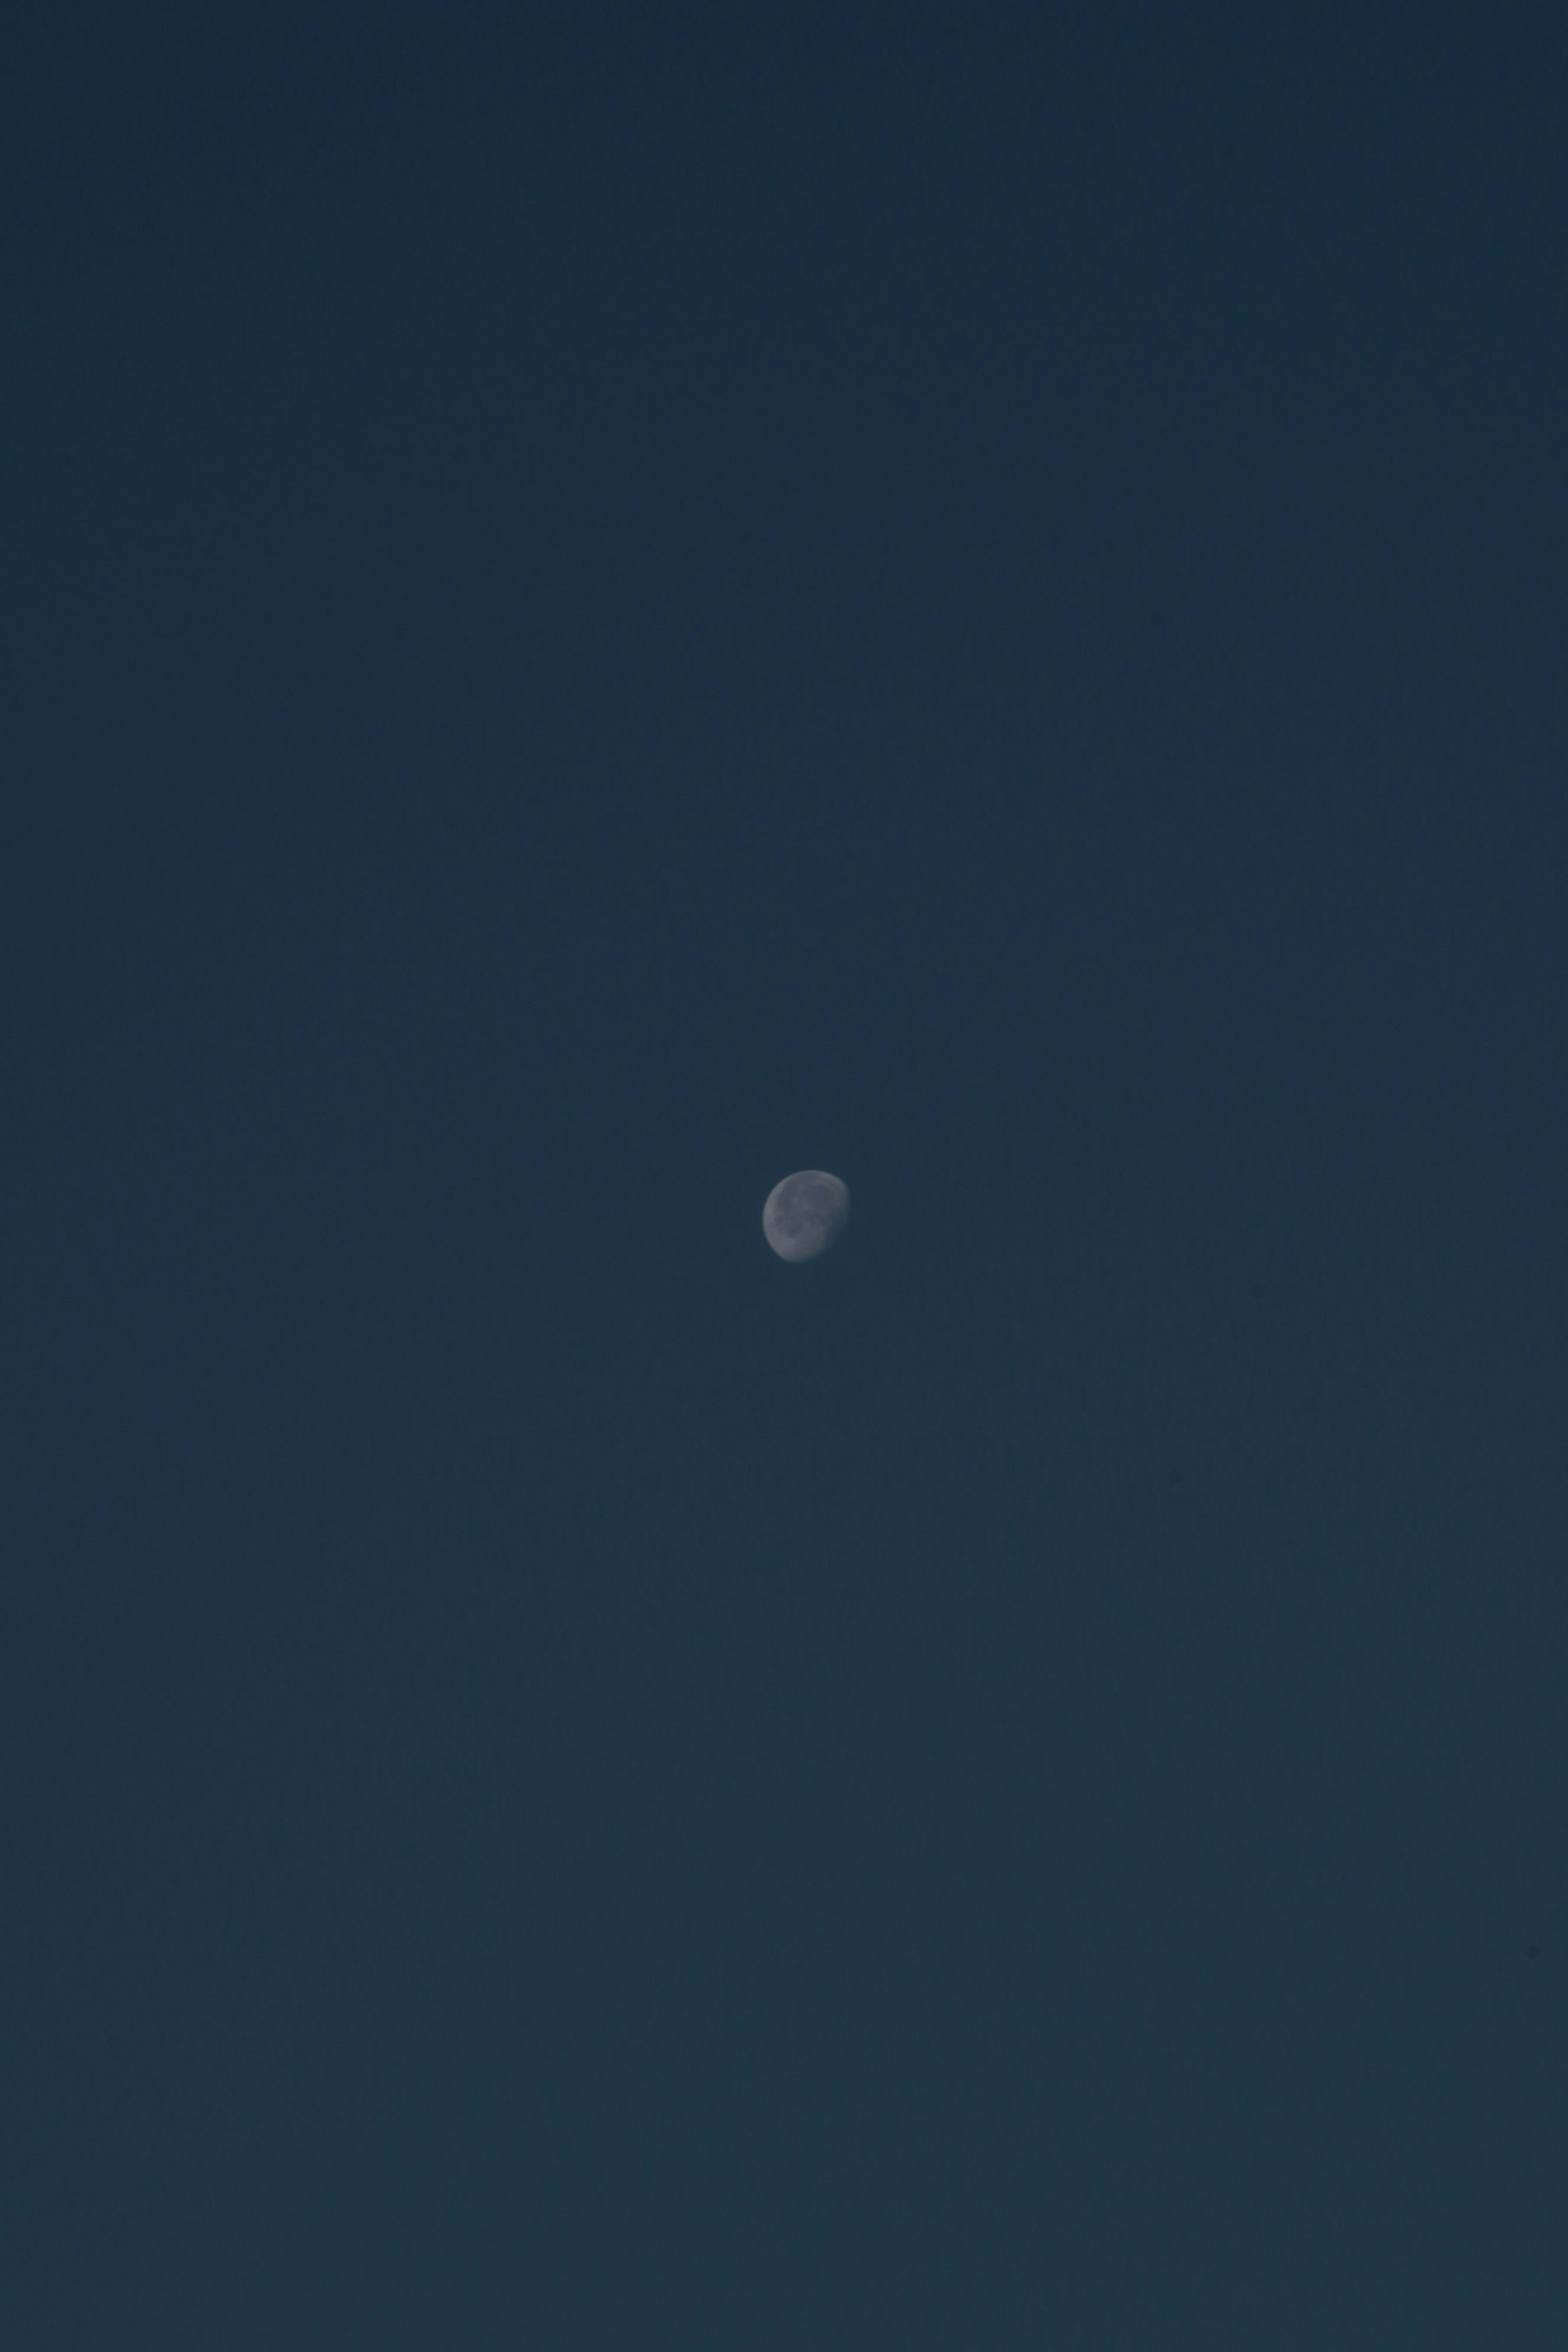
{"x":601,"y":604}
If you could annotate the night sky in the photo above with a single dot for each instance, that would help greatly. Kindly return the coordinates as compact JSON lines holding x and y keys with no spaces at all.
{"x":602,"y":604}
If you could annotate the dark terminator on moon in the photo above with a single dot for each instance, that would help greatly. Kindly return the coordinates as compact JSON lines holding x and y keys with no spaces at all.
{"x":805,"y":1215}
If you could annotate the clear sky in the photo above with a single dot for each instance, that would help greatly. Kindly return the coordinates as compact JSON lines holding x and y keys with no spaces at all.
{"x":601,"y":606}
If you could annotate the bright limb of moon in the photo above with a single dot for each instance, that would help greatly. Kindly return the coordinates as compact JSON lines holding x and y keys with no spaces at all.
{"x":805,"y":1215}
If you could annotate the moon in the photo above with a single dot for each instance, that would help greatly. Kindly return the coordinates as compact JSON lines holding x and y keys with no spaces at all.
{"x":805,"y":1215}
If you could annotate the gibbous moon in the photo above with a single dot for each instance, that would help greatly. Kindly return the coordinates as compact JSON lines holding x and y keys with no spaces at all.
{"x":805,"y":1215}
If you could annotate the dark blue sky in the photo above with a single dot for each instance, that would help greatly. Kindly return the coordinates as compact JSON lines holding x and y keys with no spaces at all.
{"x":600,"y":606}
